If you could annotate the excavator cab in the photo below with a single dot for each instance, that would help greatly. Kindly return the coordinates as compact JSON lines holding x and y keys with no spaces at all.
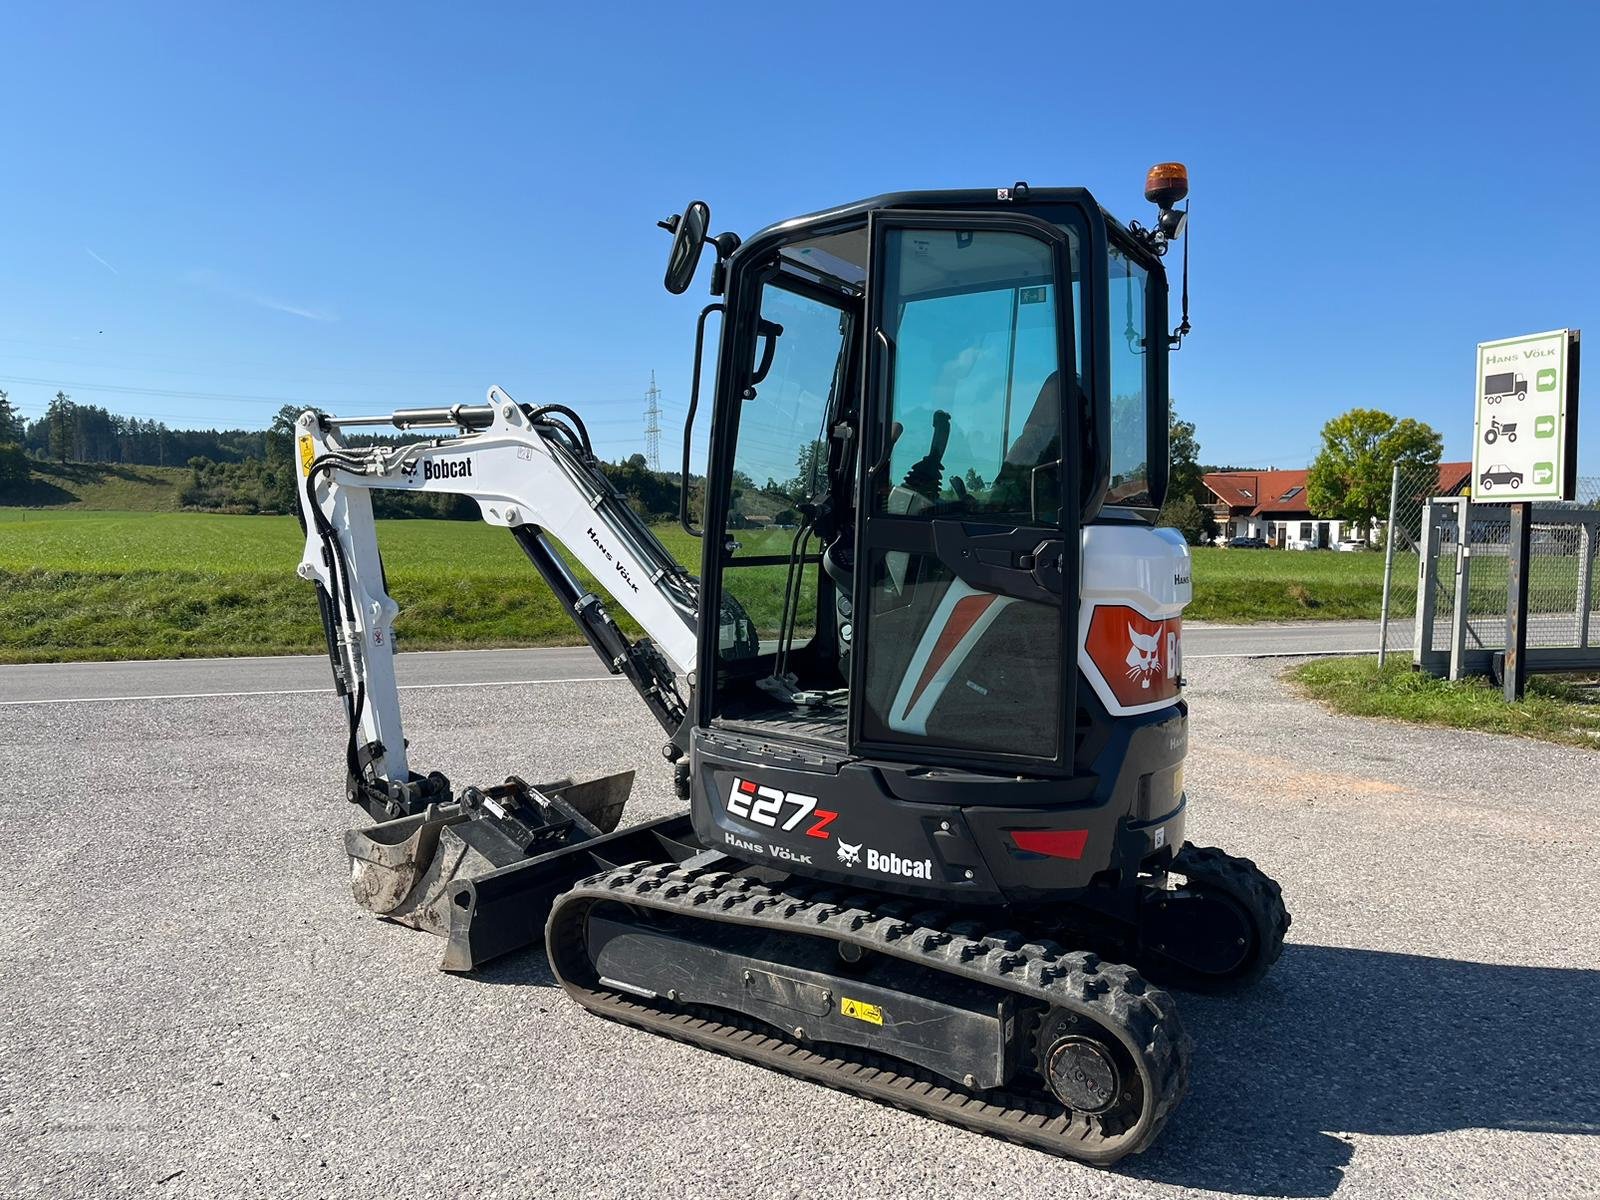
{"x":906,"y":389}
{"x":920,"y":402}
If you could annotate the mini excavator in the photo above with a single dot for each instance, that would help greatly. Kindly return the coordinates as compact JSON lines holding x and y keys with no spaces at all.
{"x":923,"y":698}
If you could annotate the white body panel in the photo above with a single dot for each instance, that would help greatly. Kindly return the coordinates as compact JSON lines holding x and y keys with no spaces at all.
{"x":1137,"y":567}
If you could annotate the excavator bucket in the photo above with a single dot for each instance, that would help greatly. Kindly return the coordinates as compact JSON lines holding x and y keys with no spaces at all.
{"x":481,"y":872}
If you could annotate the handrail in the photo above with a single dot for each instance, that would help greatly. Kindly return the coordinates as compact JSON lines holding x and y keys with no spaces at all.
{"x":688,"y":421}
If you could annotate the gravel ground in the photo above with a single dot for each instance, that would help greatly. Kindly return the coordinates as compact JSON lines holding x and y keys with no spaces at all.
{"x":194,"y":1007}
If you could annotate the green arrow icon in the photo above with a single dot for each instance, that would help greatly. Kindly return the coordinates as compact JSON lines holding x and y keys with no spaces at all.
{"x":1546,"y":379}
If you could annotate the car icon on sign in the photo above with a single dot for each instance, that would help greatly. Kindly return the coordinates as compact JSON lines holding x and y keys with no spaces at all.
{"x":1499,"y":474}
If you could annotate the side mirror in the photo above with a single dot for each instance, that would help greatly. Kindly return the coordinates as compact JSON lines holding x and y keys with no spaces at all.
{"x":688,"y":239}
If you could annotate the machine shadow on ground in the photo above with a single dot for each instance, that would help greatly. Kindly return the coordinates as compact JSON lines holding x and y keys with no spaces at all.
{"x":1340,"y":1041}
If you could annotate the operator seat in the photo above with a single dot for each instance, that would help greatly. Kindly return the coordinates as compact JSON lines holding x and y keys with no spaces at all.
{"x":1040,"y":439}
{"x":1037,"y":445}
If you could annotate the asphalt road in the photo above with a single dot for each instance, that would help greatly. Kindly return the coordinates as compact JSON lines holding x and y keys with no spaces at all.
{"x":191,"y":1005}
{"x":211,"y":678}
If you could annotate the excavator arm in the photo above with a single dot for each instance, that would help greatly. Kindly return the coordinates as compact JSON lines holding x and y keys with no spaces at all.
{"x":530,"y":469}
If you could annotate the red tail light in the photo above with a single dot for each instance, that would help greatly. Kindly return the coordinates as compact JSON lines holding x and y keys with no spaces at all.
{"x":1057,"y":843}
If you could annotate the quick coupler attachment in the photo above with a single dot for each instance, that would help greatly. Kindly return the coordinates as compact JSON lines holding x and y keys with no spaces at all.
{"x":388,"y":799}
{"x":481,"y":871}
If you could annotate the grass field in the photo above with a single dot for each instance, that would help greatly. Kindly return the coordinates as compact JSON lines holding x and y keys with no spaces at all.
{"x":104,"y":486}
{"x":1553,"y":710}
{"x":77,"y":584}
{"x":1284,"y":585}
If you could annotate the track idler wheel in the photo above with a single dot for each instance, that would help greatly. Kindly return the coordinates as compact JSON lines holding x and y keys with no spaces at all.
{"x":1219,"y":930}
{"x":1091,"y":1073}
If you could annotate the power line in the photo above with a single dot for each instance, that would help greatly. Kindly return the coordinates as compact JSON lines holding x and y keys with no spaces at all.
{"x":221,"y":397}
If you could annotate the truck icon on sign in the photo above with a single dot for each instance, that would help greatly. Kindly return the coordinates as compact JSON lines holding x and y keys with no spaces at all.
{"x":1508,"y":383}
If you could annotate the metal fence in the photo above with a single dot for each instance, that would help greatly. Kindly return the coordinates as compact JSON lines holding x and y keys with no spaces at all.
{"x":1471,"y":545}
{"x":1464,"y":593}
{"x":1409,"y":493}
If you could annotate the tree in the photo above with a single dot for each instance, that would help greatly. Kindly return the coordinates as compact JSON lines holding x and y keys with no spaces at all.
{"x":1186,"y":508}
{"x":14,"y":469}
{"x":1183,"y":478}
{"x":1351,"y":475}
{"x":1190,"y":518}
{"x":59,"y":418}
{"x":811,"y":471}
{"x":11,"y":426}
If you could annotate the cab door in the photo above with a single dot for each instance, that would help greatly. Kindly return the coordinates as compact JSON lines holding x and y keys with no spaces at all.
{"x":965,"y":596}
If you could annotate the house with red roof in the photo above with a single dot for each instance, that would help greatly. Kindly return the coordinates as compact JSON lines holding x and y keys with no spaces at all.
{"x":1273,"y":505}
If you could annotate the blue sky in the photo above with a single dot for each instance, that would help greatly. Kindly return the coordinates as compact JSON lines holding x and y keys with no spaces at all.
{"x":210,"y":210}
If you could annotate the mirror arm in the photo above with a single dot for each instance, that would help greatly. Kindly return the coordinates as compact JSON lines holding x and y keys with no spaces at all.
{"x":726,"y":244}
{"x":1175,"y":340}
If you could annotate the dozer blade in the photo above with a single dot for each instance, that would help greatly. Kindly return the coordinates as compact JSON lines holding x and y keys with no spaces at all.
{"x":483,"y":872}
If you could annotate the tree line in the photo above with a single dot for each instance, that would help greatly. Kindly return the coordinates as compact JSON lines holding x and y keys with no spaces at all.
{"x":253,"y":470}
{"x":244,"y":470}
{"x":73,"y":432}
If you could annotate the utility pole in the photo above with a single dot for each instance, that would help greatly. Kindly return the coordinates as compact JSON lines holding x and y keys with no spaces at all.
{"x":652,"y":425}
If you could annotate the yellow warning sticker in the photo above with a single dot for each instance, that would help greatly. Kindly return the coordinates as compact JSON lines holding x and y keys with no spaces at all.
{"x":860,"y":1010}
{"x":307,"y":453}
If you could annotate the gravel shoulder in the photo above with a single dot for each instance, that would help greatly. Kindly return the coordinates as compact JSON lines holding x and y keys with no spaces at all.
{"x":194,"y":1007}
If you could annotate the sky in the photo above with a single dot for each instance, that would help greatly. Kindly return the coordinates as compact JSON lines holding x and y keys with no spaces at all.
{"x":208,"y":211}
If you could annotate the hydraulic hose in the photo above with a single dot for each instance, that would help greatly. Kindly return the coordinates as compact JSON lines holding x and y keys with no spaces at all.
{"x":339,"y":567}
{"x":582,"y":431}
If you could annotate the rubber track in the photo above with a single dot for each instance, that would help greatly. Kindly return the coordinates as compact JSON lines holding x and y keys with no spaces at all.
{"x":1114,"y":997}
{"x":1252,"y":887}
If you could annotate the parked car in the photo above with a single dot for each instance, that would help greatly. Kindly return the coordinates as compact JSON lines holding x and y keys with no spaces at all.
{"x":1349,"y":544}
{"x":1247,"y":543}
{"x":1499,"y":474}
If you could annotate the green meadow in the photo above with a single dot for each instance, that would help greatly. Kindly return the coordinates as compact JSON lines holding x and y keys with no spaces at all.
{"x":77,"y":583}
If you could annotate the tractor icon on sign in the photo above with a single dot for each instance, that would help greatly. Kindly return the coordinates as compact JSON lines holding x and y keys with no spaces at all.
{"x":1496,"y":431}
{"x":1503,"y":386}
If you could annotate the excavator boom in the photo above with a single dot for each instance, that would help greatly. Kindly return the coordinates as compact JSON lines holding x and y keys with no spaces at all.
{"x":531,"y":470}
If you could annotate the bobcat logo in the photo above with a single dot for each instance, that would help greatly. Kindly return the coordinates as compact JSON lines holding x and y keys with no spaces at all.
{"x":850,"y":855}
{"x":1144,"y":656}
{"x":409,"y":470}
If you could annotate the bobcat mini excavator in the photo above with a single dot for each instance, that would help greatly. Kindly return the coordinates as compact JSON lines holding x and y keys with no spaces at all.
{"x":930,"y":725}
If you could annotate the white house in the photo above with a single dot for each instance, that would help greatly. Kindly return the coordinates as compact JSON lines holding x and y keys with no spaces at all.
{"x":1272,"y":505}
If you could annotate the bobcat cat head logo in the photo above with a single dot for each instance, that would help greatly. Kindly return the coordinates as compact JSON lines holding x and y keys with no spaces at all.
{"x":849,"y":855}
{"x":409,"y":470}
{"x":1144,"y":655}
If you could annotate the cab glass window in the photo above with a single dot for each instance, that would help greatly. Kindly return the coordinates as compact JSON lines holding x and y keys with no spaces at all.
{"x":971,"y":321}
{"x":780,"y":463}
{"x":1130,"y":383}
